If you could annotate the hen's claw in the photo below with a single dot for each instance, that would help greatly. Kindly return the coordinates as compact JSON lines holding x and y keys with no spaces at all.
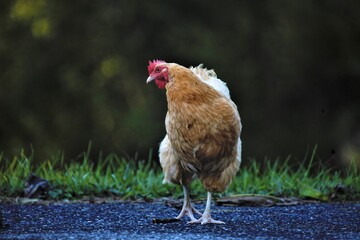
{"x":206,"y":216}
{"x":206,"y":220}
{"x":189,"y":211}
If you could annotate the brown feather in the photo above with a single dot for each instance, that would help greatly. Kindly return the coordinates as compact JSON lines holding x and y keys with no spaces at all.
{"x":203,"y":128}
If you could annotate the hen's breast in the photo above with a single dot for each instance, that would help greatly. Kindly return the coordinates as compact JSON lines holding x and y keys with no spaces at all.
{"x":203,"y":124}
{"x":203,"y":133}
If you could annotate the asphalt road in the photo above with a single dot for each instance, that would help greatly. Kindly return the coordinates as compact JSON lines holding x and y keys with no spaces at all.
{"x":134,"y":221}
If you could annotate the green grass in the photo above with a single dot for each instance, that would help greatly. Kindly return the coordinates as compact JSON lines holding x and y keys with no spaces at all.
{"x":129,"y":179}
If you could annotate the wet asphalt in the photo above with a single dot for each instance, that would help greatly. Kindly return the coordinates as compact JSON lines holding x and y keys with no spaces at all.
{"x":134,"y":221}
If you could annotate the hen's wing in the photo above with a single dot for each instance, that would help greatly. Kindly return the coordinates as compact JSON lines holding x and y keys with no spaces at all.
{"x":209,"y":77}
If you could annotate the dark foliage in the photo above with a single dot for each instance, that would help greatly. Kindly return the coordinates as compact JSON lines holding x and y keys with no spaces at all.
{"x":74,"y":71}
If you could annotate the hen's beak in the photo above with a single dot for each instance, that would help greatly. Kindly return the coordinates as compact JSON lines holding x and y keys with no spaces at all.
{"x":149,"y":79}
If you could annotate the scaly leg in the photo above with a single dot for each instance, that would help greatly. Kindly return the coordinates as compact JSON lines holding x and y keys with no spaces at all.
{"x":188,"y":208}
{"x":206,"y":217}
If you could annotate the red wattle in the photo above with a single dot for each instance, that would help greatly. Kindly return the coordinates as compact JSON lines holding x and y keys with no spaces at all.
{"x":160,"y":83}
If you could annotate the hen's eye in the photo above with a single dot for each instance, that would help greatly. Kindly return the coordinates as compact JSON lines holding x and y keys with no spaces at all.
{"x":157,"y":70}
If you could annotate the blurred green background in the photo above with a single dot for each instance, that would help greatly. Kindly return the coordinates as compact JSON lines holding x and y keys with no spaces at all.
{"x":74,"y":71}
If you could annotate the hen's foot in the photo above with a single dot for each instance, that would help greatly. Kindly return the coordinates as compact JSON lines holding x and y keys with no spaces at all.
{"x":206,"y":216}
{"x":189,"y":211}
{"x":206,"y":220}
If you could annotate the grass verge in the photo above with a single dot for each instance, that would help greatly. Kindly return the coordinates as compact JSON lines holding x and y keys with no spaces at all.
{"x":117,"y":176}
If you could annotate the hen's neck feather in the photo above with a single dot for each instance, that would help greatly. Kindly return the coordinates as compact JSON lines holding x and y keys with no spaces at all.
{"x":187,"y":87}
{"x":209,"y":77}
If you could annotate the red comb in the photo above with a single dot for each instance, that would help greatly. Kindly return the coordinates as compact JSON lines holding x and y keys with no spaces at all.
{"x":152,"y":65}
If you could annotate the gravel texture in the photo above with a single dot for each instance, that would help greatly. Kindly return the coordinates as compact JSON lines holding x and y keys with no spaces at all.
{"x":134,"y":221}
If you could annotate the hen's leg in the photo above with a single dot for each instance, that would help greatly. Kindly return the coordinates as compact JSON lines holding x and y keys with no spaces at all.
{"x":206,"y":217}
{"x":188,"y":208}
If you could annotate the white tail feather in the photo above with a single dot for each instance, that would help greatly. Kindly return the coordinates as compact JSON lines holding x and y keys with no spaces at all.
{"x":209,"y":77}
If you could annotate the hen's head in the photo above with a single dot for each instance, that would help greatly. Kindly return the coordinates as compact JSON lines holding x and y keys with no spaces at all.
{"x":159,"y":72}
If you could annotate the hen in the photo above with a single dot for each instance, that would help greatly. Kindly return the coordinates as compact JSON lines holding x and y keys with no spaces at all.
{"x":203,"y":132}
